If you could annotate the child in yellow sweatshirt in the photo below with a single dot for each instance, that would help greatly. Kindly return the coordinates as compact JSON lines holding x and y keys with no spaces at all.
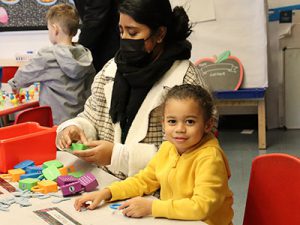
{"x":190,"y":168}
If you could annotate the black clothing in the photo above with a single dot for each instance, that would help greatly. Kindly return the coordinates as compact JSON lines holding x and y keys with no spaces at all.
{"x":133,"y":82}
{"x":99,"y":29}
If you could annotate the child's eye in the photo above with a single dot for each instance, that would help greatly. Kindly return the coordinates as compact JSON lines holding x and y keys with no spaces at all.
{"x":190,"y":122}
{"x":171,"y":122}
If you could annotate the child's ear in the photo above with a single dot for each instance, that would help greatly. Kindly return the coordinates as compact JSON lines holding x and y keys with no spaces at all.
{"x":56,"y":29}
{"x":209,"y":125}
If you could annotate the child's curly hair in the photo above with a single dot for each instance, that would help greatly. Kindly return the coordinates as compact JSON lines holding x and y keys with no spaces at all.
{"x":195,"y":92}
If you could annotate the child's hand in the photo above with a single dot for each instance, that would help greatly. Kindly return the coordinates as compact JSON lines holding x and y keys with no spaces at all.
{"x":137,"y":207}
{"x":95,"y":198}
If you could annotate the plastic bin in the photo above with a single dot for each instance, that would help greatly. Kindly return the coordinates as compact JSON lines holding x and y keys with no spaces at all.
{"x":26,"y":141}
{"x":246,"y":93}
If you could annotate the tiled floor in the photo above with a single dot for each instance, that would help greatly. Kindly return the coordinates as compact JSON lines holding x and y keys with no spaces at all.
{"x":241,"y":149}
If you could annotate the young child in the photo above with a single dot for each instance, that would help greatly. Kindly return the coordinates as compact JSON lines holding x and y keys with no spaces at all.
{"x":190,"y":168}
{"x":64,"y":70}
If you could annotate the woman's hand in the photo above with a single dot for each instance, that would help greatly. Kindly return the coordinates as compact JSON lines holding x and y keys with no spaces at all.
{"x":137,"y":207}
{"x":69,"y":135}
{"x":95,"y":198}
{"x":100,"y":153}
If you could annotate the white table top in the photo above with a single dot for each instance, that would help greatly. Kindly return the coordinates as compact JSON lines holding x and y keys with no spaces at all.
{"x":103,"y":215}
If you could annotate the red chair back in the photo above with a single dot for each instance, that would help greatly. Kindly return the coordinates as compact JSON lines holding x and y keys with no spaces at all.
{"x":274,"y":191}
{"x":8,"y":72}
{"x":40,"y":114}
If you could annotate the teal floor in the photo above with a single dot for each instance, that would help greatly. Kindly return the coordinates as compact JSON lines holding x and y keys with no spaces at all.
{"x":242,"y":148}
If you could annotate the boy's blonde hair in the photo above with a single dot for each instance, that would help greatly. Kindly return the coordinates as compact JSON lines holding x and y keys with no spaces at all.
{"x":66,"y":16}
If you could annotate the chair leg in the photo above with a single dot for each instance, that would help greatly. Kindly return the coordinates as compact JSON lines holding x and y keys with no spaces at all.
{"x":4,"y":121}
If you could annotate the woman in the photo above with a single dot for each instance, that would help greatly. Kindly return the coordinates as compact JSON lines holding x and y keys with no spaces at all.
{"x":122,"y":112}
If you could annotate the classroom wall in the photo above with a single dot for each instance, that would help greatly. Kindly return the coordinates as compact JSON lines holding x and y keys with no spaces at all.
{"x":12,"y":43}
{"x":235,"y":25}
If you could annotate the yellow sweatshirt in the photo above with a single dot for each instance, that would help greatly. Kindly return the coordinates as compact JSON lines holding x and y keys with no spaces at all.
{"x":193,"y":186}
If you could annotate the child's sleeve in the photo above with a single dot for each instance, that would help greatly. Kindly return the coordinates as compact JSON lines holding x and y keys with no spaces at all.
{"x":29,"y":73}
{"x":143,"y":183}
{"x":209,"y":193}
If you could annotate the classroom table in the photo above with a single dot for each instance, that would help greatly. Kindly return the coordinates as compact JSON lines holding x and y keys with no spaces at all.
{"x":103,"y":215}
{"x":9,"y":108}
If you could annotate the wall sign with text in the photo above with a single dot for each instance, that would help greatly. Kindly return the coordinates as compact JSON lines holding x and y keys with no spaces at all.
{"x":221,"y":73}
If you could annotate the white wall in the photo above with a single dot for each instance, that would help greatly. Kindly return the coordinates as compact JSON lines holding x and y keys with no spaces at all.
{"x":239,"y":26}
{"x":21,"y":42}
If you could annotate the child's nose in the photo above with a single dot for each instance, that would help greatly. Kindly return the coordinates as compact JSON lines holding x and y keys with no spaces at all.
{"x":180,"y":128}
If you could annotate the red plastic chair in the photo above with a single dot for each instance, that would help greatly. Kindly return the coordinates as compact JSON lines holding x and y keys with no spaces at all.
{"x":40,"y":114}
{"x":8,"y":72}
{"x":274,"y":191}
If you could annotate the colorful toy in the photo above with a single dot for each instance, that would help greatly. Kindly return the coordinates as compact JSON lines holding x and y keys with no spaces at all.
{"x":31,"y":93}
{"x":55,"y":163}
{"x":28,"y":183}
{"x":51,"y":173}
{"x":115,"y":206}
{"x":29,"y":175}
{"x":88,"y":181}
{"x":71,"y":188}
{"x":24,"y":164}
{"x":63,"y":171}
{"x":63,"y":180}
{"x":34,"y":169}
{"x":45,"y":186}
{"x":76,"y":174}
{"x":13,"y":175}
{"x":78,"y":146}
{"x":27,"y":96}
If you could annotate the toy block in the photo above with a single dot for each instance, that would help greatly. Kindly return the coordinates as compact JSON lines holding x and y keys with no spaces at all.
{"x":34,"y":169}
{"x":76,"y":174}
{"x":88,"y":181}
{"x":62,"y":180}
{"x":51,"y":173}
{"x":13,"y":175}
{"x":24,"y":164}
{"x":29,"y":175}
{"x":71,"y":188}
{"x":45,"y":186}
{"x":55,"y":163}
{"x":28,"y":183}
{"x":63,"y":171}
{"x":78,"y":146}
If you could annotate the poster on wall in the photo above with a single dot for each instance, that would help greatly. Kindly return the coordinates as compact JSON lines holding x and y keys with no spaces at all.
{"x":17,"y":15}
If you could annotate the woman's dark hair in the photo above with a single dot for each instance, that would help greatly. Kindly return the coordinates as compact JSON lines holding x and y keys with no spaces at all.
{"x":195,"y":92}
{"x":156,"y":13}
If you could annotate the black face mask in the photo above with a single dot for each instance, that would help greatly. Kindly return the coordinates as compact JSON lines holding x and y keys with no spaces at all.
{"x":133,"y":52}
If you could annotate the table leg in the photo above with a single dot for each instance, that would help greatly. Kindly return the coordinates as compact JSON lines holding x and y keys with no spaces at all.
{"x":262,"y":125}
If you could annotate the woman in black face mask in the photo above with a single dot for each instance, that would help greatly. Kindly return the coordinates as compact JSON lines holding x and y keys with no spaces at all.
{"x":121,"y":116}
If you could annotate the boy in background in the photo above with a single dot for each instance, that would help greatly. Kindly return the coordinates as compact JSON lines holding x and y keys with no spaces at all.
{"x":64,"y":70}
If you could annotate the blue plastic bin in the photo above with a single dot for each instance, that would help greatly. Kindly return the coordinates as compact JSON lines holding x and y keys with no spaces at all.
{"x":243,"y":93}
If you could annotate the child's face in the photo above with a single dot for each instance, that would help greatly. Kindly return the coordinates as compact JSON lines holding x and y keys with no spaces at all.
{"x":184,"y":124}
